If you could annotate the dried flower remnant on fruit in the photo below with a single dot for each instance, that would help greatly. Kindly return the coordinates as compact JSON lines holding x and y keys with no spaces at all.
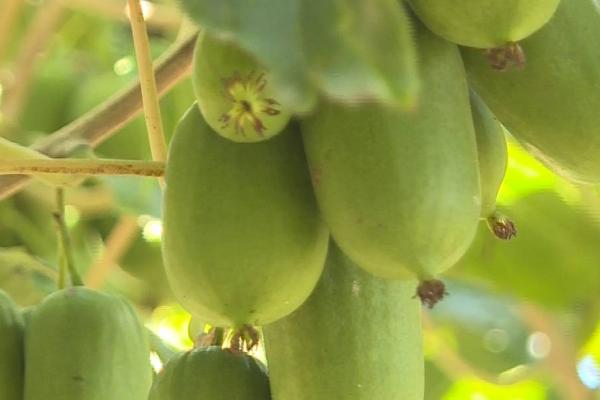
{"x":249,"y":105}
{"x":431,"y":292}
{"x":243,"y":339}
{"x":501,"y":58}
{"x":501,"y":226}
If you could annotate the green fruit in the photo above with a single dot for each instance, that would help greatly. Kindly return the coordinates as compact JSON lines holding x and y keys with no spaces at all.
{"x":400,"y":192}
{"x":493,"y":158}
{"x":243,"y":241}
{"x":357,"y":337}
{"x":83,"y":344}
{"x":11,"y":350}
{"x":211,"y":373}
{"x":552,"y":105}
{"x":491,"y":151}
{"x":484,"y":23}
{"x":234,"y":92}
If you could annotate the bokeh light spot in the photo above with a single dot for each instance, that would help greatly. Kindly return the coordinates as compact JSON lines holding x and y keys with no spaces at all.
{"x":589,"y":372}
{"x":538,"y":345}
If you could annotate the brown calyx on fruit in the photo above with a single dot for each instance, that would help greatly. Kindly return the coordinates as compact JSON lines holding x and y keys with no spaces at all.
{"x":504,"y":57}
{"x":502,"y":227}
{"x":249,"y":105}
{"x":430,"y":292}
{"x":244,"y":339}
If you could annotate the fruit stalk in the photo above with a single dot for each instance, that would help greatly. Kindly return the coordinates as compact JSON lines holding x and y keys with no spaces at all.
{"x":65,"y":240}
{"x":77,"y":166}
{"x":150,"y":103}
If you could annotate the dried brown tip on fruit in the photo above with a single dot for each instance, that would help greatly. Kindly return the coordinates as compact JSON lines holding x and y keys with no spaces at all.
{"x":247,"y":103}
{"x":504,"y":57}
{"x":244,"y":339}
{"x":502,"y":227}
{"x":431,"y":292}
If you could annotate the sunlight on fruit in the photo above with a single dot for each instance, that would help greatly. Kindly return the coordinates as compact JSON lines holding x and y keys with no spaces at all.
{"x":124,"y":66}
{"x":155,"y":362}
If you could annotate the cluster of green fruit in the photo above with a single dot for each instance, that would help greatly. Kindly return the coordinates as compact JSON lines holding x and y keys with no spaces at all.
{"x":77,"y":343}
{"x":254,"y":189}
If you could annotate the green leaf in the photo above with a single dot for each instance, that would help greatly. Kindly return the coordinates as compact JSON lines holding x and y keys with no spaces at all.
{"x":353,"y":50}
{"x":471,"y":388}
{"x":553,"y":261}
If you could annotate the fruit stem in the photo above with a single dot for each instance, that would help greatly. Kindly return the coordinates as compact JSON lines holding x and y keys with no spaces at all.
{"x":150,"y":102}
{"x":244,"y":338}
{"x":65,"y":239}
{"x":79,"y":166}
{"x":219,"y":337}
{"x":62,"y":267}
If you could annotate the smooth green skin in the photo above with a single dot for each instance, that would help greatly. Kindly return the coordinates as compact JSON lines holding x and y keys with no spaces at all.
{"x":243,"y":241}
{"x":215,"y":61}
{"x":484,"y":23}
{"x":551,"y":106}
{"x":400,"y":192}
{"x":11,"y":350}
{"x":357,"y":337}
{"x":86,"y":345}
{"x":211,"y":373}
{"x":491,"y":151}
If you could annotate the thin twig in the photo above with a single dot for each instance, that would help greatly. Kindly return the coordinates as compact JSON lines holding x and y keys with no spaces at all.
{"x":156,"y":136}
{"x":9,"y":14}
{"x":62,"y":267}
{"x":82,"y":166}
{"x":65,"y":238}
{"x":117,"y":243}
{"x":36,"y":39}
{"x":103,"y":121}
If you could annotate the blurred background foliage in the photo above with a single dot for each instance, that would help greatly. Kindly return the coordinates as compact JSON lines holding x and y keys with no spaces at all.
{"x":522,"y":318}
